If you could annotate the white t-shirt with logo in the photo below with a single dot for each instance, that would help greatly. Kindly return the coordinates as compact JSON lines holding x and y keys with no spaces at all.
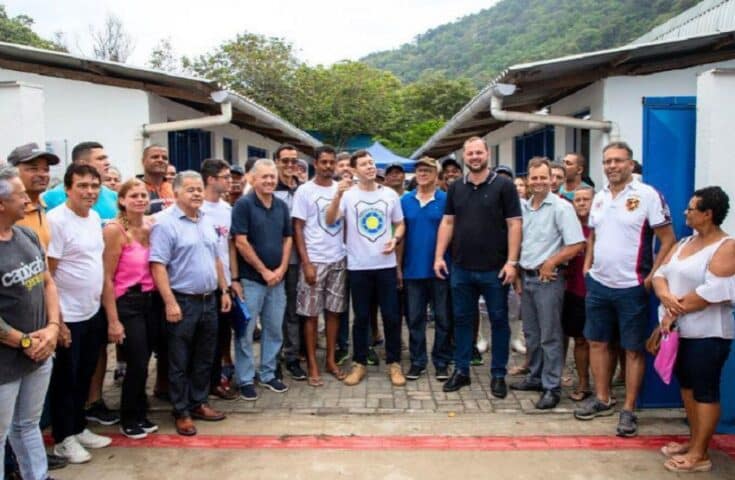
{"x":623,"y":251}
{"x":324,"y":243}
{"x":220,"y":215}
{"x":369,"y":216}
{"x":76,"y":242}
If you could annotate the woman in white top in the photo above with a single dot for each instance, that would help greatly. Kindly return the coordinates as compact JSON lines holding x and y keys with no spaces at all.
{"x":694,"y":285}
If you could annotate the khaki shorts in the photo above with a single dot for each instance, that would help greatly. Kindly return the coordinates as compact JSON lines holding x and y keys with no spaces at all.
{"x":328,"y":293}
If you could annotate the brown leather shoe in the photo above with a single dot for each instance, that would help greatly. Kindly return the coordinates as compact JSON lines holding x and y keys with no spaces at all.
{"x":185,"y":426}
{"x":224,"y":392}
{"x":207,"y":413}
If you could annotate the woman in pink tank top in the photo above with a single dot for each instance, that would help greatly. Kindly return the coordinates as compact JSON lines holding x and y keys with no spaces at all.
{"x":130,"y":303}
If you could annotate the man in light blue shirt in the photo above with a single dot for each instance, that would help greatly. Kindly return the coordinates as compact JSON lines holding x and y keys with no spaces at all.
{"x":91,"y":153}
{"x":552,"y":236}
{"x":187,"y":269}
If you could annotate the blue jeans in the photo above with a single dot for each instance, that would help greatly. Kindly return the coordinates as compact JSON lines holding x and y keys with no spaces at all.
{"x":191,"y":343}
{"x":420,"y":294}
{"x":369,"y":287}
{"x":467,"y":286}
{"x":21,"y":404}
{"x":268,"y":304}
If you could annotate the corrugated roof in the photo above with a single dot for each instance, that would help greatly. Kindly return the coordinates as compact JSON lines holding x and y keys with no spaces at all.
{"x":191,"y":91}
{"x":540,"y":84}
{"x":708,"y":16}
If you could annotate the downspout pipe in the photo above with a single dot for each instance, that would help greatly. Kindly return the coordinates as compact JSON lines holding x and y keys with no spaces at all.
{"x":222,"y":119}
{"x":497,"y":112}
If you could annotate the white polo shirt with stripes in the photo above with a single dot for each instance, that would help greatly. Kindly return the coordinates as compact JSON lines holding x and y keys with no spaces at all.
{"x":623,"y":226}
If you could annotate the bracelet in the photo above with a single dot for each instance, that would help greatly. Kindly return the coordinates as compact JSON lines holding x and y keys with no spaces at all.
{"x":512,"y":263}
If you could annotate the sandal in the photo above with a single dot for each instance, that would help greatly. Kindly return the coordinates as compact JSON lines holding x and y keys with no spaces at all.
{"x":674,"y":448}
{"x":338,"y":373}
{"x":580,"y":395}
{"x":315,"y":382}
{"x":682,"y":464}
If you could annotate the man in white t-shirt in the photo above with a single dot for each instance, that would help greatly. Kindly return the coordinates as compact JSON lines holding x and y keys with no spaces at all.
{"x":625,"y":216}
{"x":217,"y":180}
{"x":374,"y":225}
{"x":322,"y":283}
{"x":75,"y":262}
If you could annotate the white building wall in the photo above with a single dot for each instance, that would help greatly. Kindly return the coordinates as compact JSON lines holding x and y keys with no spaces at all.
{"x":20,"y":116}
{"x":165,"y":110}
{"x":715,"y":140}
{"x":76,"y":111}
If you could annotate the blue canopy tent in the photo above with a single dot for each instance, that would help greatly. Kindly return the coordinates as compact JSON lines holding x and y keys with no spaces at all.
{"x":384,"y":158}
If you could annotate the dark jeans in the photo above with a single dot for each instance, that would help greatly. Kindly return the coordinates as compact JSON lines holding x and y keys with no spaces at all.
{"x":291,"y":321}
{"x":72,"y":374}
{"x":369,"y":287}
{"x":224,"y":324}
{"x":142,"y":321}
{"x":467,"y":286}
{"x":420,"y":294}
{"x":191,"y":344}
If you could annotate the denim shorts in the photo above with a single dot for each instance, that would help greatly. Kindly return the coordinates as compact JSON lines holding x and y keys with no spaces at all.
{"x":614,"y":313}
{"x":699,"y":365}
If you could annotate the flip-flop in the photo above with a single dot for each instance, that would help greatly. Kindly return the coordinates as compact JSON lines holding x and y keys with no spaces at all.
{"x":580,"y":395}
{"x":339,"y":374}
{"x":518,"y":370}
{"x":315,"y":382}
{"x":684,"y":466}
{"x":674,"y":448}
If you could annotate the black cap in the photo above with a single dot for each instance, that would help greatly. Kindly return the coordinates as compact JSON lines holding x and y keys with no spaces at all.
{"x":450,"y":161}
{"x":30,"y":151}
{"x":395,"y":165}
{"x":504,"y":169}
{"x":237,"y":170}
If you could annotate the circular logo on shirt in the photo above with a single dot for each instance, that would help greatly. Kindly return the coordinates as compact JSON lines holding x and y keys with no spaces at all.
{"x":371,"y":220}
{"x":632,"y":203}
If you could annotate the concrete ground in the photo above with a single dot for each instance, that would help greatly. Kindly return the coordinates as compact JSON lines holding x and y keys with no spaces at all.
{"x":376,"y":431}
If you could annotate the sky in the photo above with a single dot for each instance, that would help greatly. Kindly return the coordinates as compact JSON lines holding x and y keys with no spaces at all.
{"x":322,"y":31}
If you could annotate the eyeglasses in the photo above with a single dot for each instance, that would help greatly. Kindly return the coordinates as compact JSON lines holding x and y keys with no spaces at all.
{"x":226,"y":177}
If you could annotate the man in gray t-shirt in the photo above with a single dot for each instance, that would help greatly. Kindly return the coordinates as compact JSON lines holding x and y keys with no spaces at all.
{"x":29,"y":328}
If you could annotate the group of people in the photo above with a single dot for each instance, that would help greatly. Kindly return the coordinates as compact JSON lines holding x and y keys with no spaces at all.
{"x":161,"y":263}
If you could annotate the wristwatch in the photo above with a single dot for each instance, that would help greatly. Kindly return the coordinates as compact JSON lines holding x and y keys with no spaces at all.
{"x":25,"y":342}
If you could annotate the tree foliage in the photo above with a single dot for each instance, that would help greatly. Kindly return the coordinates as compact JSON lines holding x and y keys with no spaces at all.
{"x":111,"y":41}
{"x":481,"y":45}
{"x":19,"y":30}
{"x":164,"y":58}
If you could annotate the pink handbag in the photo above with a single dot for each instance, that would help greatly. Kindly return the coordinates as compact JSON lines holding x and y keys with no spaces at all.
{"x":666,"y":356}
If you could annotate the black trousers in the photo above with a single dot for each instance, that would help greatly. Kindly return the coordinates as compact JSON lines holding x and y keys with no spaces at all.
{"x":142,"y":321}
{"x":72,"y":374}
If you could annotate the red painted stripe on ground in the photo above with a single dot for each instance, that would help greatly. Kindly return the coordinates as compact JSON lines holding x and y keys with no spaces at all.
{"x":725,"y":443}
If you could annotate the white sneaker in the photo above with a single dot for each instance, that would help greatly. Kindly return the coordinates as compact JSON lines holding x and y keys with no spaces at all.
{"x":92,"y":440}
{"x":72,"y":450}
{"x":481,"y":344}
{"x":517,"y":345}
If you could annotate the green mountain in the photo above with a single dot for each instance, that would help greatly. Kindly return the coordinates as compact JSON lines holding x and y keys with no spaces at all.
{"x":481,"y":45}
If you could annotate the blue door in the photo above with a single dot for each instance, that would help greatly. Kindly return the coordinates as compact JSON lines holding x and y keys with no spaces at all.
{"x":187,"y":148}
{"x":539,"y":143}
{"x":669,"y":134}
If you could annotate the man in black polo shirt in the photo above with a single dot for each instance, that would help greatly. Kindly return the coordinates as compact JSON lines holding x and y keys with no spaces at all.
{"x":261,"y":225}
{"x":287,"y":157}
{"x":482,"y":221}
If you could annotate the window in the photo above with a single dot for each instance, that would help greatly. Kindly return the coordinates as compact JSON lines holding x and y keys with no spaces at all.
{"x":187,"y":148}
{"x":257,"y":152}
{"x":581,"y":137}
{"x":495,"y":152}
{"x":539,"y":143}
{"x":227,"y":149}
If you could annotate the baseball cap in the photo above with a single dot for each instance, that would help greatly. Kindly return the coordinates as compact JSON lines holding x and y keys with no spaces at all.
{"x":450,"y":161}
{"x":395,"y":165}
{"x":30,"y":151}
{"x":504,"y":169}
{"x":302,"y":163}
{"x":237,"y":170}
{"x":429,"y":162}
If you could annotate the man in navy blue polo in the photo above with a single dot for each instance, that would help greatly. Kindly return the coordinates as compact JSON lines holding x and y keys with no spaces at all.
{"x":423,"y":209}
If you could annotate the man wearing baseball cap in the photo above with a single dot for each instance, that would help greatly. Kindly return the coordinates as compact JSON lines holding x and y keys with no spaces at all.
{"x":395,"y":176}
{"x":33,"y":164}
{"x":451,"y":169}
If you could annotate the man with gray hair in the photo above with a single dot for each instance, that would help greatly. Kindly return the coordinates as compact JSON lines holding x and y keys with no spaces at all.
{"x":29,"y":328}
{"x":261,"y":224}
{"x":187,"y":270}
